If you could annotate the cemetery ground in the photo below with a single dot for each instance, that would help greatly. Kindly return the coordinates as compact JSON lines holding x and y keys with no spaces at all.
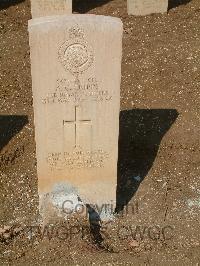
{"x":158,"y":168}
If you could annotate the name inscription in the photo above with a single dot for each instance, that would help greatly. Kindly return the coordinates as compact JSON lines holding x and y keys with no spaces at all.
{"x":69,"y":91}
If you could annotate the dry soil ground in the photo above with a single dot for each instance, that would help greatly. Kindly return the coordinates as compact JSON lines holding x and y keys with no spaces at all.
{"x":159,"y":162}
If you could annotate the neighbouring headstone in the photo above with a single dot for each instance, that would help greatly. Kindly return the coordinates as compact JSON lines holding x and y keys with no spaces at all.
{"x":146,"y":7}
{"x":42,"y":8}
{"x":76,"y":75}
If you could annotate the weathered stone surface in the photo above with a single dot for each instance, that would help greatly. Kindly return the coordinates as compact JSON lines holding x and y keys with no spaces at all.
{"x":42,"y":8}
{"x":76,"y":75}
{"x":145,"y":7}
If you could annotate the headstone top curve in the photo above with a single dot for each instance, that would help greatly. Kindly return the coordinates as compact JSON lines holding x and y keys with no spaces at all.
{"x":73,"y":18}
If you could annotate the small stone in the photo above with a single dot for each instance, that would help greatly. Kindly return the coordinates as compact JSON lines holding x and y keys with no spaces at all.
{"x":133,"y":243}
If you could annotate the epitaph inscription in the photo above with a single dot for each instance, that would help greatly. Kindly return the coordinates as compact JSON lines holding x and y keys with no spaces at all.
{"x":77,"y":159}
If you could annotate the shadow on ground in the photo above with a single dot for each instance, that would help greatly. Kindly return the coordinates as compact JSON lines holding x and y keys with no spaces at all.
{"x":175,"y":3}
{"x":10,"y":125}
{"x":83,"y":6}
{"x":7,"y":3}
{"x":141,"y":132}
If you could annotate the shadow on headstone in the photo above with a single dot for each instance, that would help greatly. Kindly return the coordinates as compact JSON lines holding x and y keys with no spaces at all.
{"x":141,"y":132}
{"x":175,"y":3}
{"x":83,"y":6}
{"x":7,"y":3}
{"x":10,"y":125}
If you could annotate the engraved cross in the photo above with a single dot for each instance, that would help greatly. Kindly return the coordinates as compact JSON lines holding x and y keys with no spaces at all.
{"x":77,"y":122}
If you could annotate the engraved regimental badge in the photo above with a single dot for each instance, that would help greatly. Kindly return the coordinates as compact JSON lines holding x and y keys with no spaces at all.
{"x":75,"y":54}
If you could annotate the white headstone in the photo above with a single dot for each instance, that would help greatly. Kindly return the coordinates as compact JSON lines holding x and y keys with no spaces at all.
{"x":42,"y":8}
{"x":146,"y":7}
{"x":76,"y":75}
